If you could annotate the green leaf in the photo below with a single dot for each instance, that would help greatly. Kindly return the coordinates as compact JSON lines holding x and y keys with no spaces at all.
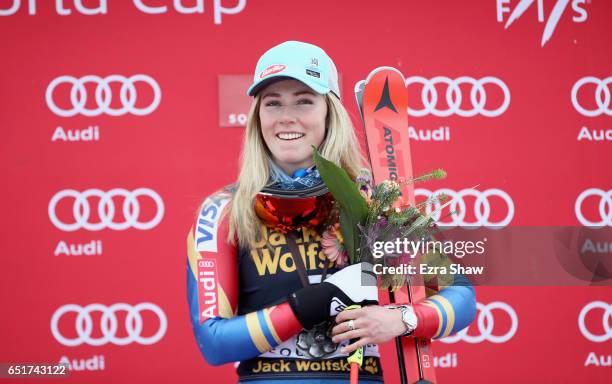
{"x":349,"y":232}
{"x":353,"y":207}
{"x":342,"y":188}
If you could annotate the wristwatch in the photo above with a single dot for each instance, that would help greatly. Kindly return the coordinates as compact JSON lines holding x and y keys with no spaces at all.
{"x":408,"y":317}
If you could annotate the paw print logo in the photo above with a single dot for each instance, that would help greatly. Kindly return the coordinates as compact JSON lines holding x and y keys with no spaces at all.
{"x":371,"y":365}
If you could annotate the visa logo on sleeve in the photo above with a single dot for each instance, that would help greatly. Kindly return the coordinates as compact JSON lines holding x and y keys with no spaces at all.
{"x":208,"y":223}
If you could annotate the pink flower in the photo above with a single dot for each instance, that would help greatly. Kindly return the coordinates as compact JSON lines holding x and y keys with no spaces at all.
{"x":332,"y":243}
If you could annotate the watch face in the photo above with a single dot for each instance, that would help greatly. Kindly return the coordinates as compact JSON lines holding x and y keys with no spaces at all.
{"x":409,"y":318}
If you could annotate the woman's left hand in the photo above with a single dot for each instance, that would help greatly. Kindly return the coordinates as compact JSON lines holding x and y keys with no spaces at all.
{"x":372,"y":325}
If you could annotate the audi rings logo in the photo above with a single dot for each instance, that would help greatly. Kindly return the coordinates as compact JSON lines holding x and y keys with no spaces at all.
{"x":454,"y":96}
{"x":482,"y":206}
{"x":605,"y":207}
{"x":605,"y":321}
{"x":81,"y":209}
{"x":601,"y":96}
{"x":486,"y":325}
{"x":103,"y":95}
{"x":84,"y":324}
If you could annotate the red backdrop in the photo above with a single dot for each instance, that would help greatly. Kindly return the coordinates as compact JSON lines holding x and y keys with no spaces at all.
{"x":515,"y":102}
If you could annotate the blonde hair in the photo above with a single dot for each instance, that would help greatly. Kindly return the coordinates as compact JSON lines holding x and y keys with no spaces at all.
{"x":340,"y":146}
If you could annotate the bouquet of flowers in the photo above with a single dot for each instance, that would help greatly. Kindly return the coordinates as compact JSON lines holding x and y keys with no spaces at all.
{"x":370,"y":214}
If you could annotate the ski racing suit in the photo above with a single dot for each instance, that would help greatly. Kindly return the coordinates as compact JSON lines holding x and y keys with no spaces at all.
{"x":239,"y":311}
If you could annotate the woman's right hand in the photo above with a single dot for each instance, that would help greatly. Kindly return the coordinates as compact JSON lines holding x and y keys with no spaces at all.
{"x":355,"y":284}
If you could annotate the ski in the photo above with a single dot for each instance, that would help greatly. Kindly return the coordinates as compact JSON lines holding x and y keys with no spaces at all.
{"x":382,"y":100}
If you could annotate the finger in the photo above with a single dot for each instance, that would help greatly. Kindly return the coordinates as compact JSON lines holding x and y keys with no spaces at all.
{"x":359,"y":343}
{"x":344,"y":327}
{"x":355,"y":334}
{"x":338,"y":329}
{"x":350,"y":314}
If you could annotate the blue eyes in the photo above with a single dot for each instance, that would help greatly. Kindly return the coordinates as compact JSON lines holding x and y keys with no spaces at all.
{"x":277,"y":103}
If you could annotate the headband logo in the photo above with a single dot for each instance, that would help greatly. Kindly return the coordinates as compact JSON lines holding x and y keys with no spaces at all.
{"x":274,"y":68}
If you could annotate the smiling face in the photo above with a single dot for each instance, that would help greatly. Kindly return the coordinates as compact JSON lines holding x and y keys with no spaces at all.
{"x":292,"y":120}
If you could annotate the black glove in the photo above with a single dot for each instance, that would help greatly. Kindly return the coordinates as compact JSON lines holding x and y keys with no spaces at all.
{"x":355,"y":284}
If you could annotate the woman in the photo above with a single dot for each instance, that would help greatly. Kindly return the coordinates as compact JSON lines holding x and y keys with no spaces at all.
{"x":252,"y":299}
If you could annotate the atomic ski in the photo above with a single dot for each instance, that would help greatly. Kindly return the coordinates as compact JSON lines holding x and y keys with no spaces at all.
{"x":383,"y":104}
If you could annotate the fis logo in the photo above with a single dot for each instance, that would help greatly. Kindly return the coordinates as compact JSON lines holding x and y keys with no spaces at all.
{"x":578,"y":13}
